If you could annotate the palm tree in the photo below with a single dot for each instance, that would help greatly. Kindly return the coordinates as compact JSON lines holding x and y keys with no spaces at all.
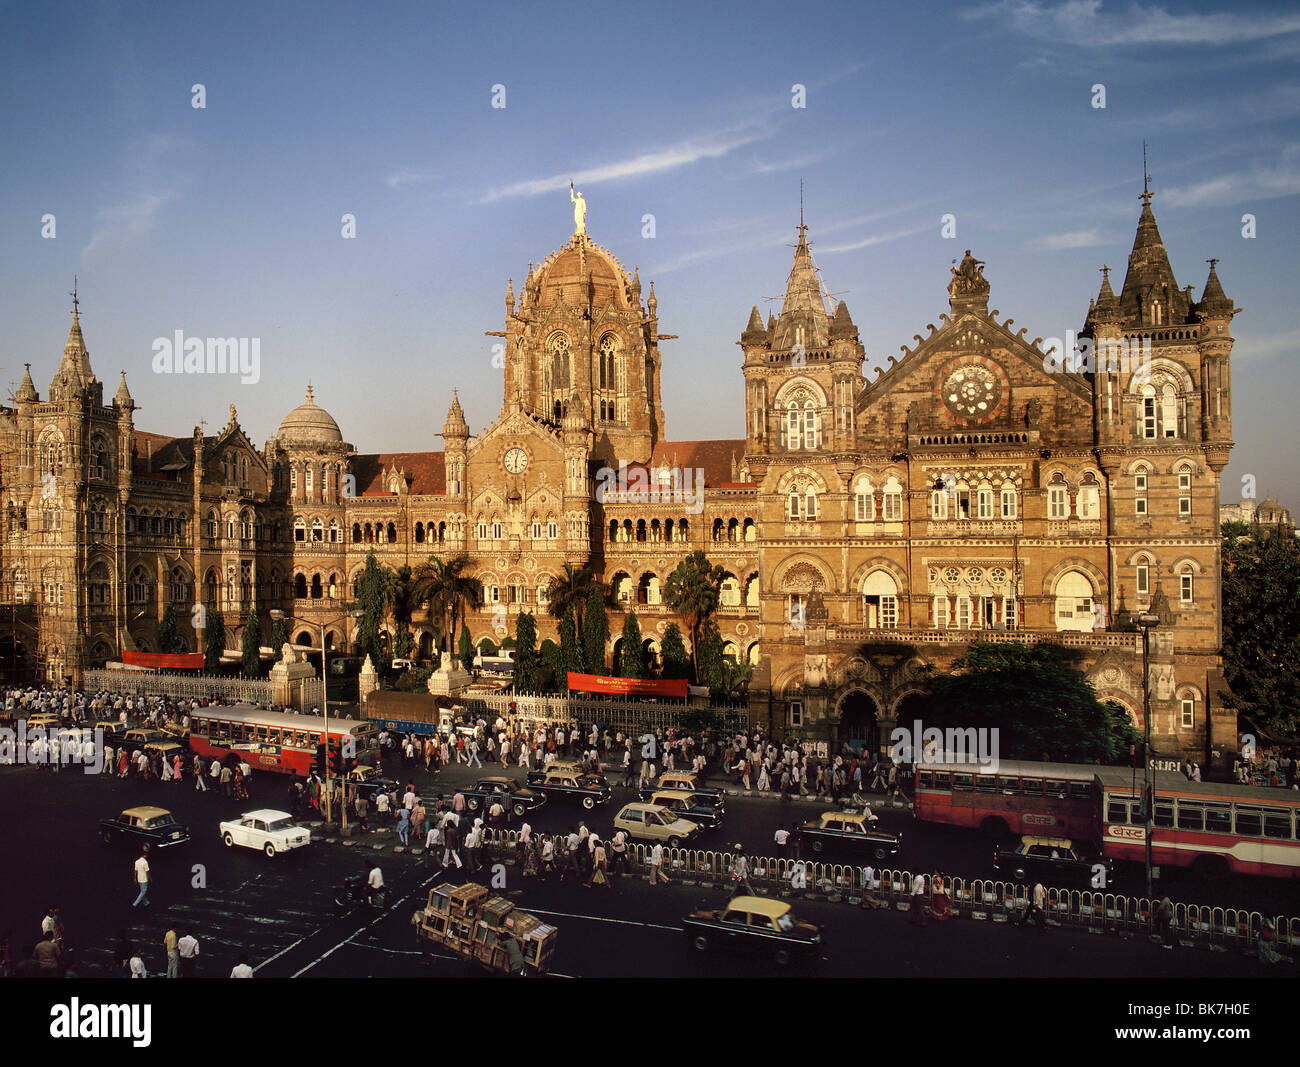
{"x":692,"y":591}
{"x":449,"y":591}
{"x":400,"y":592}
{"x":571,"y":590}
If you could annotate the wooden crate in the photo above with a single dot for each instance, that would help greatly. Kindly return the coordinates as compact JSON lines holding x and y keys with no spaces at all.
{"x":467,"y":899}
{"x":495,"y":911}
{"x":438,"y":898}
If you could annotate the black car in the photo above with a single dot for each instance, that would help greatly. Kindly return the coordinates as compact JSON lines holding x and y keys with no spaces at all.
{"x":1053,"y":861}
{"x":704,"y":809}
{"x":154,"y":827}
{"x":849,"y":834}
{"x":758,"y":923}
{"x":588,"y":790}
{"x":513,"y":796}
{"x":367,"y":784}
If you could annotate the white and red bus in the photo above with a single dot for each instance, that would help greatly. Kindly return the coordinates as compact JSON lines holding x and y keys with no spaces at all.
{"x":285,"y":742}
{"x":1214,"y":828}
{"x":1019,"y":797}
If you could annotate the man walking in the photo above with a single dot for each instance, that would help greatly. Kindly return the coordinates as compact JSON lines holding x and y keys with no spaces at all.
{"x":657,"y":864}
{"x":188,"y":947}
{"x":142,"y":880}
{"x":916,"y":911}
{"x":171,"y":945}
{"x":740,"y":873}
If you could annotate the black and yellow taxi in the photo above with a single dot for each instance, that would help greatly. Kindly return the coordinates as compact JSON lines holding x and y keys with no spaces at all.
{"x":589,"y":790}
{"x":145,"y":825}
{"x":514,"y":797}
{"x":684,"y":781}
{"x":1054,"y":861}
{"x":705,"y":809}
{"x":849,"y":833}
{"x":754,"y":923}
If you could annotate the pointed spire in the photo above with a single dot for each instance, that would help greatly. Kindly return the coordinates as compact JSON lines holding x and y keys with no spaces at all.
{"x":754,"y":334}
{"x":27,"y":388}
{"x":455,"y":426}
{"x":842,"y":324}
{"x":771,"y":323}
{"x":510,"y":297}
{"x":1106,"y":307}
{"x":1214,"y":301}
{"x":1151,"y":295}
{"x":803,"y":319}
{"x":652,"y":303}
{"x":123,"y":397}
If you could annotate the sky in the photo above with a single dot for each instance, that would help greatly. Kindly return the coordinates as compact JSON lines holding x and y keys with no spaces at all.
{"x":228,"y":219}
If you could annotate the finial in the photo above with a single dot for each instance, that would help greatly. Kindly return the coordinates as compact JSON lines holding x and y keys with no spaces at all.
{"x":309,"y":393}
{"x":801,"y":225}
{"x":75,"y":301}
{"x":1146,"y":178}
{"x":1105,"y":273}
{"x":1212,"y":262}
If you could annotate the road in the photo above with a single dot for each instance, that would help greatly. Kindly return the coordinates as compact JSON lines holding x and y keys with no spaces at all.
{"x":281,"y":912}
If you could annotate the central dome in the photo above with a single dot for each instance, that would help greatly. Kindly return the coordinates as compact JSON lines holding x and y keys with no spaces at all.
{"x":311,"y":423}
{"x":560,"y":276}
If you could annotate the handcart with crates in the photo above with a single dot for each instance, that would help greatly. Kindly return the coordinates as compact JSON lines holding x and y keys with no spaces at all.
{"x":465,"y":920}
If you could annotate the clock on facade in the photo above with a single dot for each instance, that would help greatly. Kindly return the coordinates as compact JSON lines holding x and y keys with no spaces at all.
{"x":515,"y":461}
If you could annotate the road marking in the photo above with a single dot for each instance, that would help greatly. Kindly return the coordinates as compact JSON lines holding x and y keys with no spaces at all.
{"x":602,"y":919}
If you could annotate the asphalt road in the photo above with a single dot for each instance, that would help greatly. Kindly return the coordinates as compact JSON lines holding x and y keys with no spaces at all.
{"x":281,"y":911}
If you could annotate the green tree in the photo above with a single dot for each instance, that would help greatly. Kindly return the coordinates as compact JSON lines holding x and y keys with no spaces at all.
{"x":595,"y":632}
{"x":673,"y":651}
{"x":632,"y":655}
{"x":168,"y":639}
{"x":692,"y":591}
{"x":214,"y":640}
{"x":548,"y":666}
{"x":710,"y":658}
{"x":1040,"y":704}
{"x":279,"y":635}
{"x":526,"y":662}
{"x":570,"y":591}
{"x":251,"y":645}
{"x":373,"y":590}
{"x":570,"y":658}
{"x":451,"y":594}
{"x":1261,"y":626}
{"x":465,"y":648}
{"x":402,"y":600}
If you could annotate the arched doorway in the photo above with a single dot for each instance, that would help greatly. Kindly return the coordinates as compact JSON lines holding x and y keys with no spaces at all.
{"x":859,"y":726}
{"x":425,"y":646}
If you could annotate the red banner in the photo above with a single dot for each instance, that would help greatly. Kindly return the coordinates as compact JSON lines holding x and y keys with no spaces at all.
{"x":184,"y":661}
{"x":600,"y":683}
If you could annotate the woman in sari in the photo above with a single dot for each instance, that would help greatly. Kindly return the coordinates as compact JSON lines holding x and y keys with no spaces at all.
{"x":940,"y":902}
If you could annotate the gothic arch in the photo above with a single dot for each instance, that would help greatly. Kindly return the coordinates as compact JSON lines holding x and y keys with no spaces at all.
{"x":1074,"y":563}
{"x":803,"y":476}
{"x":879,"y":563}
{"x":801,"y":565}
{"x":800,"y":389}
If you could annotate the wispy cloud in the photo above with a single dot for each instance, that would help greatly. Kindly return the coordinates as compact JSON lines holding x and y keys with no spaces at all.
{"x":1054,"y":242}
{"x":877,"y":239}
{"x":1279,"y":102}
{"x":404,"y":176}
{"x":149,"y":188}
{"x":1083,"y":24}
{"x":670,"y":157}
{"x":794,"y":162}
{"x":703,"y":255}
{"x":1237,"y":187}
{"x":1266,"y":346}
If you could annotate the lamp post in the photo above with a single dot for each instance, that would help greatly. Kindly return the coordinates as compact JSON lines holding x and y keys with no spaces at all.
{"x":1147,"y":622}
{"x":278,"y":615}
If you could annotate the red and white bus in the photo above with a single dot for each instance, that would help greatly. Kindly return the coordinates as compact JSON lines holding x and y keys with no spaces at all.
{"x":1214,"y":828}
{"x":285,"y":742}
{"x":1020,"y":797}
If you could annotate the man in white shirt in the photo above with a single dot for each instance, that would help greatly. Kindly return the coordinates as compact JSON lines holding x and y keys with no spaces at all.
{"x":137,"y":967}
{"x":917,"y":909}
{"x":782,"y":839}
{"x":408,"y":800}
{"x":657,"y":864}
{"x":869,"y":889}
{"x":374,"y":882}
{"x":242,"y":969}
{"x":189,"y":950}
{"x":142,"y":880}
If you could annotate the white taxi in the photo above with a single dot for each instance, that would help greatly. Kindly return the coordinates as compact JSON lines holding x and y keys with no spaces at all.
{"x":266,"y":829}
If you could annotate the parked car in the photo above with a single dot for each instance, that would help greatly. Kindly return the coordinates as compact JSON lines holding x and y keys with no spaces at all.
{"x":514,"y":797}
{"x":756,"y":923}
{"x":683,"y":780}
{"x":588,"y":790}
{"x":146,"y":825}
{"x":1052,"y":860}
{"x":368,"y":782}
{"x":850,"y":834}
{"x":266,"y":829}
{"x":138,"y":738}
{"x":708,"y":811}
{"x":648,"y":822}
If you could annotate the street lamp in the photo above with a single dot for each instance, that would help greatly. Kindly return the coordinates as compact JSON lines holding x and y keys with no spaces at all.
{"x":1147,"y":622}
{"x":277,"y":616}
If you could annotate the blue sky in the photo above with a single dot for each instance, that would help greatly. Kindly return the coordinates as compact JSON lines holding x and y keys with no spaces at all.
{"x":226,"y":221}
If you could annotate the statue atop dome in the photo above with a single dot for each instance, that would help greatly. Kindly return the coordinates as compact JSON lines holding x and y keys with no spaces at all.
{"x":579,"y":212}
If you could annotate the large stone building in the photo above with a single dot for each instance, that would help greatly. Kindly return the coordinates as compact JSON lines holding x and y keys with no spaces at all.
{"x":868,"y":528}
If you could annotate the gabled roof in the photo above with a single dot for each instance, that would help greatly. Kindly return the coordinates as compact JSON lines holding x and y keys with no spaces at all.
{"x":426,"y":472}
{"x":713,"y":457}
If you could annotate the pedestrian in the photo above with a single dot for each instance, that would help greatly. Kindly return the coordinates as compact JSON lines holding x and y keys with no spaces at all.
{"x":657,"y":864}
{"x":940,"y":902}
{"x":598,"y":865}
{"x":869,"y":889}
{"x":47,"y":955}
{"x":782,"y":839}
{"x":1164,"y":916}
{"x":618,"y":846}
{"x":796,"y":840}
{"x":404,"y":826}
{"x":363,"y":806}
{"x":474,"y":846}
{"x":381,"y":806}
{"x":142,"y":879}
{"x":1036,"y":907}
{"x":53,"y":924}
{"x":418,"y":815}
{"x":227,"y":778}
{"x":740,"y":872}
{"x":136,"y":967}
{"x":547,"y":866}
{"x":451,"y":846}
{"x":573,"y":862}
{"x":916,"y":911}
{"x":171,"y":946}
{"x":242,"y":969}
{"x":188,"y":946}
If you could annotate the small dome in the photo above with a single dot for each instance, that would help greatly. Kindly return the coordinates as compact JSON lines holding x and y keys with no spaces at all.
{"x":310,"y":423}
{"x":560,"y":277}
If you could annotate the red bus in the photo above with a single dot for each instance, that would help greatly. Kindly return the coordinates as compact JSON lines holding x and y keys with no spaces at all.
{"x":1214,"y":828}
{"x":284,"y":742}
{"x":1020,"y":797}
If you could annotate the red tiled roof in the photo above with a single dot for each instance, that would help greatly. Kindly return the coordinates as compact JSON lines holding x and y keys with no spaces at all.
{"x":151,"y":451}
{"x":714,"y":457}
{"x":426,"y":472}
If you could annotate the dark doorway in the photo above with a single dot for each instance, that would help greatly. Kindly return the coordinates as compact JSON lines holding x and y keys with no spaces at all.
{"x":859,"y":727}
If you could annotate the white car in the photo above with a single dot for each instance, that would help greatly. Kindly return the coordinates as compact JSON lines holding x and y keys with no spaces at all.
{"x":269,"y":830}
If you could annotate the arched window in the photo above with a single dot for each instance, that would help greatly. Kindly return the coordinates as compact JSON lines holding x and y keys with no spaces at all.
{"x":1074,"y":602}
{"x":864,"y":500}
{"x":811,"y":425}
{"x":212,"y":524}
{"x":794,"y":433}
{"x":137,"y":586}
{"x":97,"y":586}
{"x":299,"y":530}
{"x":810,"y":503}
{"x":1010,"y":506}
{"x":300,"y":586}
{"x":317,"y":530}
{"x":419,"y":533}
{"x":1140,"y":492}
{"x":1184,"y":491}
{"x":1168,"y":410}
{"x":1089,"y":503}
{"x":180,"y":586}
{"x":729,"y":591}
{"x":1058,"y":499}
{"x":879,"y":601}
{"x":984,"y":502}
{"x":1187,"y":585}
{"x":335,"y":534}
{"x":893,"y":500}
{"x":1142,"y":577}
{"x":392,"y":534}
{"x":939,"y":503}
{"x":356,"y":533}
